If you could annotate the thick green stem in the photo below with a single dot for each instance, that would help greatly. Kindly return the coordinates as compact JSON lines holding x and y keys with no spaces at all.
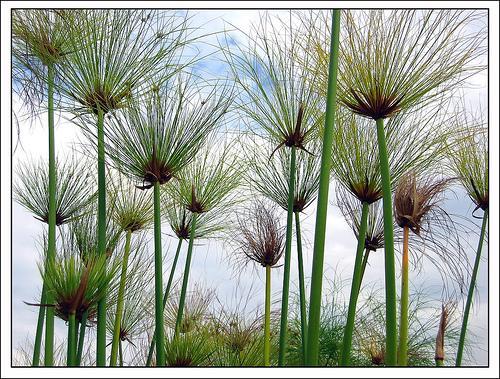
{"x":51,"y":239}
{"x":39,"y":330}
{"x":324,"y":182}
{"x":390,"y":274}
{"x":101,"y":237}
{"x":71,"y":352}
{"x":363,"y":266}
{"x":288,"y":256}
{"x":120,"y":301}
{"x":121,"y":353}
{"x":403,"y":324}
{"x":182,"y":299}
{"x":81,"y":339}
{"x":165,"y":297}
{"x":160,"y":340}
{"x":302,"y":288}
{"x":267,"y":319}
{"x":355,"y":286}
{"x":470,"y":294}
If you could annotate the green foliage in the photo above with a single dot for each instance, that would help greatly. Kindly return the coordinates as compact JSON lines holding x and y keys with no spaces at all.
{"x":159,"y":134}
{"x":269,"y":174}
{"x":468,"y":156}
{"x":209,"y":181}
{"x":277,"y":94}
{"x":75,"y":187}
{"x":393,"y":60}
{"x":77,"y":285}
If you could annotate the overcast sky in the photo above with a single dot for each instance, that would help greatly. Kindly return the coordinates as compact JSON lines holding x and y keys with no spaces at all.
{"x":209,"y":260}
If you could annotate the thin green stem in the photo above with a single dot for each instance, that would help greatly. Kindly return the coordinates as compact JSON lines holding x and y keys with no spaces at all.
{"x":51,"y":239}
{"x":121,"y":353}
{"x":165,"y":297}
{"x":160,"y":340}
{"x":182,"y":298}
{"x":39,"y":330}
{"x":267,"y":319}
{"x":288,"y":256}
{"x":470,"y":294}
{"x":120,"y":301}
{"x":403,"y":324}
{"x":390,"y":274}
{"x":363,"y":266}
{"x":101,"y":237}
{"x":83,"y":326}
{"x":324,"y":183}
{"x":355,"y":286}
{"x":71,"y":352}
{"x":302,"y":288}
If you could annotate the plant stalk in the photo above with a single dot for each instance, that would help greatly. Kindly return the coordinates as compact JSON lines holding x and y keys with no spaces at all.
{"x":185,"y":278}
{"x":39,"y":330}
{"x":267,"y":319}
{"x":120,"y":301}
{"x":165,"y":297}
{"x":83,"y":326}
{"x":390,"y":274}
{"x":302,"y":288}
{"x":71,"y":352}
{"x":470,"y":294}
{"x":403,"y":324}
{"x":355,"y":286}
{"x":363,"y":266}
{"x":288,"y":256}
{"x":121,"y":353}
{"x":324,"y":183}
{"x":51,"y":239}
{"x":101,"y":237}
{"x":160,"y":340}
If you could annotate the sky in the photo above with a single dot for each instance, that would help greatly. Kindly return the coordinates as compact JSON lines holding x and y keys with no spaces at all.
{"x":209,"y":265}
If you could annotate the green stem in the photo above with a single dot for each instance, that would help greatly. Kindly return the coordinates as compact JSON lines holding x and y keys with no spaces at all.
{"x":267,"y":319}
{"x":363,"y":266}
{"x":120,"y":301}
{"x":355,"y":286}
{"x":83,"y":326}
{"x":71,"y":352}
{"x":302,"y":288}
{"x":470,"y":294}
{"x":165,"y":297}
{"x":39,"y":330}
{"x":403,"y":324}
{"x":390,"y":274}
{"x":121,"y":353}
{"x":160,"y":340}
{"x":182,"y":299}
{"x":288,"y":256}
{"x":439,"y":363}
{"x":101,"y":237}
{"x":324,"y":182}
{"x":51,"y":240}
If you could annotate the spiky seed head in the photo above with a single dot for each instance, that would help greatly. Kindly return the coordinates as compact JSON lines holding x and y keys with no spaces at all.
{"x":446,"y":312}
{"x":414,"y":199}
{"x":262,"y":238}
